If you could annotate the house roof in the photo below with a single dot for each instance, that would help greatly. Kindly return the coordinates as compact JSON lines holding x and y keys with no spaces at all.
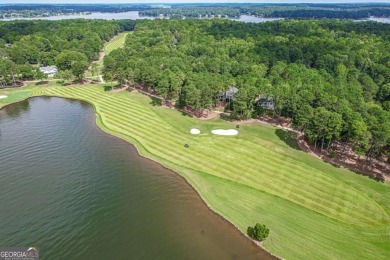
{"x":232,"y":91}
{"x":48,"y":68}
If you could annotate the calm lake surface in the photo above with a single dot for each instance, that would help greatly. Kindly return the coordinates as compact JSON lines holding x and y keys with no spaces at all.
{"x":107,"y":16}
{"x":134,"y":15}
{"x":78,"y":193}
{"x":379,"y":19}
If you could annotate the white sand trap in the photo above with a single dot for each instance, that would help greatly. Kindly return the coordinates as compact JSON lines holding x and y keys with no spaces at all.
{"x":1,"y":97}
{"x":225,"y":132}
{"x":195,"y":131}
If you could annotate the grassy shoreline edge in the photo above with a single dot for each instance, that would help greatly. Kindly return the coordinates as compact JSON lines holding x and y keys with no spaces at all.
{"x":100,"y":124}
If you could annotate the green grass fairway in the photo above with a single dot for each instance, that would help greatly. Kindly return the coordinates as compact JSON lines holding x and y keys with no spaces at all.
{"x":116,"y":43}
{"x":313,"y":209}
{"x":14,"y":96}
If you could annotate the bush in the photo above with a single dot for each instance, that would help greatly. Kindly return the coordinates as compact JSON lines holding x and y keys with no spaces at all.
{"x":259,"y":232}
{"x":332,"y":154}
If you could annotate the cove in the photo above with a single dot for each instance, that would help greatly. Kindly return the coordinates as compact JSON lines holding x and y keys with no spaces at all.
{"x":78,"y":193}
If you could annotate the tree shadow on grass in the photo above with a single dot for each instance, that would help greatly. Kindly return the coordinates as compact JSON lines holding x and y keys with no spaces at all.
{"x":107,"y":88}
{"x":42,"y":83}
{"x":290,"y":138}
{"x":185,"y":114}
{"x":375,"y":177}
{"x":371,"y":175}
{"x":226,"y":117}
{"x":156,"y":102}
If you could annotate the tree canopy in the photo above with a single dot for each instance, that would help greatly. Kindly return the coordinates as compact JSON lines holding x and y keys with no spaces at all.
{"x":70,"y":44}
{"x":331,"y":77}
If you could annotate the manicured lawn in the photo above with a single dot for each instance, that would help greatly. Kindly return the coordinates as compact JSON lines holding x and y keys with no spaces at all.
{"x":117,"y":42}
{"x":19,"y":94}
{"x":313,"y":209}
{"x":13,"y":96}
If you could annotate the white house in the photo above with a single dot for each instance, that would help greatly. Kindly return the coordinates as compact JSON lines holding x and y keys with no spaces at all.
{"x":49,"y":70}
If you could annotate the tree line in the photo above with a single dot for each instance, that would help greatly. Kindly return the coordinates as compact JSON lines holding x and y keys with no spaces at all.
{"x":193,"y":12}
{"x":68,"y":44}
{"x":341,"y":11}
{"x":331,"y":77}
{"x":44,"y":10}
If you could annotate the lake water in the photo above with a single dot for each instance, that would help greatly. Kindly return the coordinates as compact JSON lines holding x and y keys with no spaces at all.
{"x":254,"y":19}
{"x":134,"y":15}
{"x":106,"y":16}
{"x":378,"y":19}
{"x":78,"y":193}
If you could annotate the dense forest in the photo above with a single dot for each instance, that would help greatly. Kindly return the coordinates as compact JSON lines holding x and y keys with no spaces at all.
{"x":331,"y":77}
{"x":69,"y":44}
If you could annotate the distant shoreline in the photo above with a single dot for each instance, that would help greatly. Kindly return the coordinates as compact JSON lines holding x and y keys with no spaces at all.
{"x":134,"y":15}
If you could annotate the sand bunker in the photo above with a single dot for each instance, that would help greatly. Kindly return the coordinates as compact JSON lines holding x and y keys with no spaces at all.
{"x":225,"y":132}
{"x":195,"y":131}
{"x":1,"y":97}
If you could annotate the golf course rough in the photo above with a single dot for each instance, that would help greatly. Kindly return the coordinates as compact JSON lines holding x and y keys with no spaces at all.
{"x":313,"y":209}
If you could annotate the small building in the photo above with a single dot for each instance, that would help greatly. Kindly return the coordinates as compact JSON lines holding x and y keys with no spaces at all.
{"x":49,"y":70}
{"x":266,"y":102}
{"x":228,"y":95}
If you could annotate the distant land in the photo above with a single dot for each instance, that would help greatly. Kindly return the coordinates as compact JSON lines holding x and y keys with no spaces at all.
{"x":202,"y":10}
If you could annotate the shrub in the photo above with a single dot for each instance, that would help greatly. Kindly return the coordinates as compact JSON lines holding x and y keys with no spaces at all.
{"x":332,"y":154}
{"x":259,"y":232}
{"x":250,"y":231}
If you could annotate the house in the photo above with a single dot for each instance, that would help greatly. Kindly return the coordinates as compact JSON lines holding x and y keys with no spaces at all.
{"x":266,"y":102}
{"x":49,"y":70}
{"x":228,"y":95}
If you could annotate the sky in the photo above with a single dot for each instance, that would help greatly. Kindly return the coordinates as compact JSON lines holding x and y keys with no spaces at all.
{"x":187,"y":1}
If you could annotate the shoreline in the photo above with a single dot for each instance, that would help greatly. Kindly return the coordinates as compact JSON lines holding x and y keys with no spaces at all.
{"x":299,"y":137}
{"x":98,"y":116}
{"x":106,"y":130}
{"x":134,"y":15}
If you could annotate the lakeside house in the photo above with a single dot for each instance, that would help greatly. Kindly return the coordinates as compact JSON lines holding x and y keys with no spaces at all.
{"x":266,"y":102}
{"x":228,"y":95}
{"x":49,"y":70}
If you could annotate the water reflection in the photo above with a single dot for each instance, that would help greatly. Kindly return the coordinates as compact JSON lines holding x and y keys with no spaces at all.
{"x":16,"y":110}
